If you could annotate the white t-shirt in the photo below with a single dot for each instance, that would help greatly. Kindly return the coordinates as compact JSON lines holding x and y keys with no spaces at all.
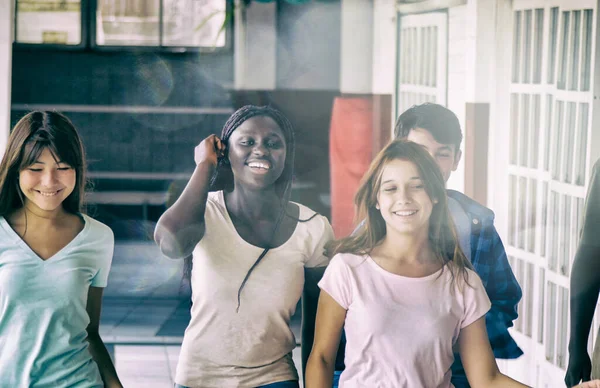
{"x":252,"y":347}
{"x":43,"y":316}
{"x":400,"y":330}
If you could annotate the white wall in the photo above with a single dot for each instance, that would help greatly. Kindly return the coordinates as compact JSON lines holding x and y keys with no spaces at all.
{"x":255,"y":46}
{"x":6,"y":39}
{"x":460,"y":39}
{"x":384,"y":47}
{"x":356,"y":64}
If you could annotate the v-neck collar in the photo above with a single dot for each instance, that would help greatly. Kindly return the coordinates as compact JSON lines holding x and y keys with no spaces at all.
{"x":62,"y":252}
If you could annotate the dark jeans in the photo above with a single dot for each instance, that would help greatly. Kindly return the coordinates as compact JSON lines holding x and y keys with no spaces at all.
{"x":280,"y":384}
{"x":336,"y":378}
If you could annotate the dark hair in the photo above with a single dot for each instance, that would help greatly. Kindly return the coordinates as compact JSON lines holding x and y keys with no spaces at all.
{"x":223,"y":176}
{"x":442,"y":234}
{"x":440,"y":121}
{"x":35,"y":132}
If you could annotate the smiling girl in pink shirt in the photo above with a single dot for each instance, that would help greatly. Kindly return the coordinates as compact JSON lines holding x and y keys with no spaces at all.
{"x":402,"y":288}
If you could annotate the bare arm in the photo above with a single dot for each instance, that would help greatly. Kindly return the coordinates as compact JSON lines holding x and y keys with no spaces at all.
{"x":478,"y":359}
{"x":585,"y":285}
{"x":96,"y":346}
{"x":182,"y":225}
{"x":328,"y":329}
{"x":310,"y":300}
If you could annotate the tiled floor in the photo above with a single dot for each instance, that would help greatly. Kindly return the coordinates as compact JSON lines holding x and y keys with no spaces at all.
{"x":144,"y":315}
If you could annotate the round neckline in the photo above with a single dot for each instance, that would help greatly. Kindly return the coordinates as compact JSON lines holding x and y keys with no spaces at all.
{"x":62,"y":252}
{"x":221,"y":198}
{"x":402,"y":277}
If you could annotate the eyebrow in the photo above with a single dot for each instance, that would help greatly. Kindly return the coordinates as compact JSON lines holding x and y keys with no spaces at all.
{"x":412,"y":179}
{"x":57,"y":162}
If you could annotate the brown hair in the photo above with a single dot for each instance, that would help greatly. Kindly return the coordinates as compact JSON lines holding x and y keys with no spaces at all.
{"x":35,"y":132}
{"x":443,"y":239}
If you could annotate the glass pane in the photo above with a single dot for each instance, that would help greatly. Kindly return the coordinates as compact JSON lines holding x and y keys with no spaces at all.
{"x":523,"y":227}
{"x":582,"y":137}
{"x":537,"y":55}
{"x":532,"y":221}
{"x":520,"y":275}
{"x":512,"y":211}
{"x":535,"y":131}
{"x":564,"y":51}
{"x":553,"y":232}
{"x":516,"y":47}
{"x":544,"y":226}
{"x":524,"y":132}
{"x":565,"y":237}
{"x":541,"y":303}
{"x":434,"y":50}
{"x":552,"y":49}
{"x":557,"y":139}
{"x":586,"y":61}
{"x":128,"y":23}
{"x":548,"y":132}
{"x":569,"y":134}
{"x":514,"y":127}
{"x":526,"y":70}
{"x":551,"y":322}
{"x":52,"y":22}
{"x":575,"y":41}
{"x":194,"y":23}
{"x":562,"y":327}
{"x":529,"y":299}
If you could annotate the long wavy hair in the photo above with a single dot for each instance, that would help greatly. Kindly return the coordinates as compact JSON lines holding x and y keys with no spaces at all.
{"x":442,"y":235}
{"x":35,"y":132}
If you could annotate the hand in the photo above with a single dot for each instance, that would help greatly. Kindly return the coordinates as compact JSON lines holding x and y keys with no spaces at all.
{"x":589,"y":384}
{"x":579,"y":369}
{"x":209,"y":150}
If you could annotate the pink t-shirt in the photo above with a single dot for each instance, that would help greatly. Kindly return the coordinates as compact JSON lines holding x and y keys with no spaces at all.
{"x":400,"y":330}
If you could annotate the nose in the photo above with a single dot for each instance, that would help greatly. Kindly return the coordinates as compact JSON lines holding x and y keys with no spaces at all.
{"x":403,"y":197}
{"x":49,"y":178}
{"x":259,"y":149}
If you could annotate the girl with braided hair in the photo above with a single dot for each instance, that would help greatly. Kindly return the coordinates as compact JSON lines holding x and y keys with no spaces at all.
{"x":254,"y":252}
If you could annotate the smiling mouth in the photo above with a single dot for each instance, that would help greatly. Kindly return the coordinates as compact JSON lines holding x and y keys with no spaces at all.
{"x":405,"y":213}
{"x":260,"y":166}
{"x":49,"y":193}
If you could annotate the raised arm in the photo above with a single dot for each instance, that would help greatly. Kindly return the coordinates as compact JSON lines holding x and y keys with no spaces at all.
{"x":585,"y":286}
{"x":478,"y":359}
{"x":328,"y":329}
{"x":182,"y":225}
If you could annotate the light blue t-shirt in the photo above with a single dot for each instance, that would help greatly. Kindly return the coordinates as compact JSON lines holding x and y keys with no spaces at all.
{"x":43,"y":317}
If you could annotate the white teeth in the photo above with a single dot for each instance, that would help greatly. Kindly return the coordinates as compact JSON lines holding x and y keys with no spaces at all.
{"x":405,"y":213}
{"x":48,"y":194}
{"x":264,"y":166}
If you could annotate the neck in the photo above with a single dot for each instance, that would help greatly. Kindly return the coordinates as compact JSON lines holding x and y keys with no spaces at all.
{"x":253,"y":204}
{"x":406,"y":248}
{"x":37,"y":215}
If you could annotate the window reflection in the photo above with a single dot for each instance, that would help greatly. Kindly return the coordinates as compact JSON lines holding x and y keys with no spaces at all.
{"x":185,"y":23}
{"x":48,"y":21}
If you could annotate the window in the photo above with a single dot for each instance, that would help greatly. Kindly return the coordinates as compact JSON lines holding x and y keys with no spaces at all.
{"x":116,"y":24}
{"x":165,"y":23}
{"x":56,"y":22}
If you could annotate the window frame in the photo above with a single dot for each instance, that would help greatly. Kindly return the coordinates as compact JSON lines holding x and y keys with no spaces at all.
{"x":88,"y":36}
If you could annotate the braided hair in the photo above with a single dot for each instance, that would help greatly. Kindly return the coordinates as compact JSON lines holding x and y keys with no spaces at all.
{"x":222,"y":178}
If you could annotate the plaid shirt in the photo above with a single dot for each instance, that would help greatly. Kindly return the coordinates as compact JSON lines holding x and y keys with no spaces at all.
{"x":491,"y":264}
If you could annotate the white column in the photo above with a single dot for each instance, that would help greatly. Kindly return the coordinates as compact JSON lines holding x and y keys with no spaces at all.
{"x":6,"y":39}
{"x":357,"y":47}
{"x":255,"y":46}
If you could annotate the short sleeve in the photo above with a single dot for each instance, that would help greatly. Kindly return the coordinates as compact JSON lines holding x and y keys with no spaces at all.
{"x":336,"y":281}
{"x":104,"y":256}
{"x":318,"y":258}
{"x":476,"y":301}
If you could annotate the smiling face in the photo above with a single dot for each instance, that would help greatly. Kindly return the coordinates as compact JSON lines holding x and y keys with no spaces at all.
{"x":47,"y":183}
{"x":402,"y":199}
{"x":446,"y":156}
{"x":257,"y":152}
